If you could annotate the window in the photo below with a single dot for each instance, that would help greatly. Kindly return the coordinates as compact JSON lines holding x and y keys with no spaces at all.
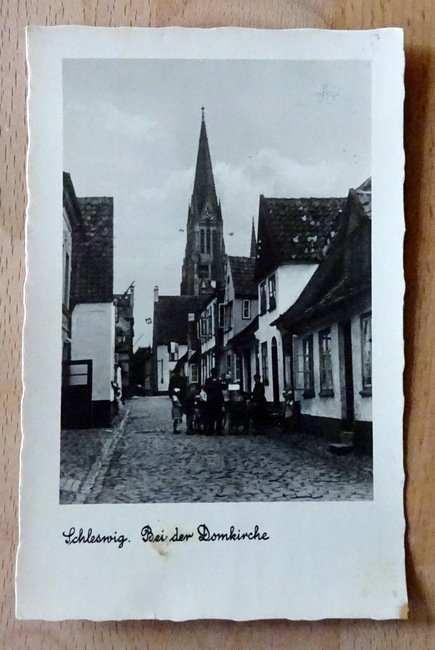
{"x":305,"y":367}
{"x":228,"y":316}
{"x":173,"y":351}
{"x":210,"y":322}
{"x":264,"y":363}
{"x":229,"y":364}
{"x":213,"y":242}
{"x":237,"y":368}
{"x":204,"y":323}
{"x":325,"y":364}
{"x":272,"y":293}
{"x":221,"y":314}
{"x":202,"y":235}
{"x":194,"y":373}
{"x":203,"y":271}
{"x":246,"y":309}
{"x":263,"y":298}
{"x":66,"y":277}
{"x":207,"y":241}
{"x":366,"y":354}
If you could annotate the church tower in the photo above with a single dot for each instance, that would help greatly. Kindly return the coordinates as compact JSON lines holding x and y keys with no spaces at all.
{"x":204,"y":260}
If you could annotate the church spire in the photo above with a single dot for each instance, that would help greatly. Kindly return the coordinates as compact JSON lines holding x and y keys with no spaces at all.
{"x":203,"y":188}
{"x":253,"y":241}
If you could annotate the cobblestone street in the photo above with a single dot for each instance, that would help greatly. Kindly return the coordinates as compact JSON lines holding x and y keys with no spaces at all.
{"x":145,"y":462}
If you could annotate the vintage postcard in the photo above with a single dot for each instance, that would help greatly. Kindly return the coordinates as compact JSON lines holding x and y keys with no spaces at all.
{"x":213,"y":355}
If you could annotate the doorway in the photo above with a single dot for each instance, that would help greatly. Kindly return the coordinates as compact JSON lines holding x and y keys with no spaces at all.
{"x":348,"y":401}
{"x":275,"y":376}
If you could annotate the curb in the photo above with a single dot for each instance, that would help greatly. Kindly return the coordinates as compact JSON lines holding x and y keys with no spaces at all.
{"x":101,"y":465}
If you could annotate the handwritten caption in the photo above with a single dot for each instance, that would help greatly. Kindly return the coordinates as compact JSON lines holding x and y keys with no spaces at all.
{"x":203,"y":533}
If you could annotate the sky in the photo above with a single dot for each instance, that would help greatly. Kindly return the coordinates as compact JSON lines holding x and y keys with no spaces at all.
{"x":277,"y":128}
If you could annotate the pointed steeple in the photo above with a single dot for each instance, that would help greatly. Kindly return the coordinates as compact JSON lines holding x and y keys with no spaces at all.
{"x":253,"y":241}
{"x":203,"y":187}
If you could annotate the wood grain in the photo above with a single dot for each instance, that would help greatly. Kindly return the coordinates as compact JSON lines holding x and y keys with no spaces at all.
{"x":418,"y":20}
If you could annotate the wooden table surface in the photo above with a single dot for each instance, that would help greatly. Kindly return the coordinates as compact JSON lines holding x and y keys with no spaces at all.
{"x":418,"y":20}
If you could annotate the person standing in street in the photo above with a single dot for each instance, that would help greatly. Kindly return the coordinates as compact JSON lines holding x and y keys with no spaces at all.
{"x":215,"y":402}
{"x":177,"y":394}
{"x":260,"y":404}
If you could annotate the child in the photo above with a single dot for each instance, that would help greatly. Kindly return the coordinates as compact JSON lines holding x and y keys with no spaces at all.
{"x":176,"y":411}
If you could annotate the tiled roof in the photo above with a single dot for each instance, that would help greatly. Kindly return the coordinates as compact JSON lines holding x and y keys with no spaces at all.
{"x":344,"y":290}
{"x":302,"y":229}
{"x":345,"y":274}
{"x":242,"y":271}
{"x":171,"y":318}
{"x":92,"y":253}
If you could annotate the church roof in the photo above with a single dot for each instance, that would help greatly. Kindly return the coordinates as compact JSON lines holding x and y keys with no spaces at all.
{"x":171,"y":318}
{"x":242,"y":272}
{"x":92,"y":252}
{"x":203,"y":187}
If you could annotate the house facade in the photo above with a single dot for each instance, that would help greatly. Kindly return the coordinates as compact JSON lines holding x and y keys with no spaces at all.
{"x":294,"y":235}
{"x":124,"y":334}
{"x":209,"y":337}
{"x":238,"y":310}
{"x":88,"y":330}
{"x":327,"y":334}
{"x":174,"y":335}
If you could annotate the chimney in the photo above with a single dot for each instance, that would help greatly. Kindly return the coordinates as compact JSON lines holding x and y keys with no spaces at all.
{"x":156,"y":294}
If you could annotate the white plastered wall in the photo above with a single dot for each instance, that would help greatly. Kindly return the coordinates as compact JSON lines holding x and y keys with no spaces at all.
{"x":93,"y":337}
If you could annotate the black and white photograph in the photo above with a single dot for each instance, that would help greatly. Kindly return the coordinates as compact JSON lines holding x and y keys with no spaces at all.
{"x":216,"y":301}
{"x":213,"y":346}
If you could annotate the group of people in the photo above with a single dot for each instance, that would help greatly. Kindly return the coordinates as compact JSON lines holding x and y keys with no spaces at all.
{"x":213,"y":404}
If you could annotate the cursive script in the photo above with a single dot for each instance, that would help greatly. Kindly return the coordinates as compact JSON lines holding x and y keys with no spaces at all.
{"x":80,"y":537}
{"x":205,"y":535}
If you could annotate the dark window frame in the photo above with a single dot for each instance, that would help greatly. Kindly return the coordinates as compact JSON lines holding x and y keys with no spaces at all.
{"x":246,"y":303}
{"x":366,"y":377}
{"x":326,"y":377}
{"x":271,"y":287}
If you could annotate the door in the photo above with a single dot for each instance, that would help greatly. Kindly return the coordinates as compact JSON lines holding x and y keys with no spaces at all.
{"x":76,"y":405}
{"x":275,"y":376}
{"x":348,"y":410}
{"x":248,"y":386}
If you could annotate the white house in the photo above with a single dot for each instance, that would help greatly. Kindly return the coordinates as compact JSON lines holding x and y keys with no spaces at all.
{"x":328,"y":333}
{"x":88,"y":331}
{"x":293,"y":237}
